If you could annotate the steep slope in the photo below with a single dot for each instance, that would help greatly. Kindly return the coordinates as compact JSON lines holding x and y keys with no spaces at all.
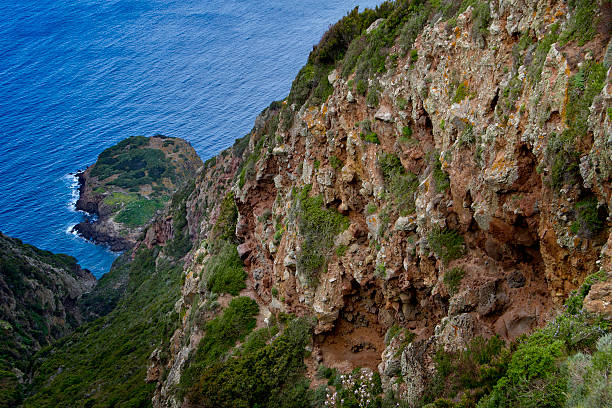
{"x":129,"y":183}
{"x":39,"y":293}
{"x":439,"y":174}
{"x":435,"y":186}
{"x":106,"y":362}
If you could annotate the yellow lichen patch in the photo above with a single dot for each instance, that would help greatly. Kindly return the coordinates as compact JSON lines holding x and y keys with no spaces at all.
{"x":501,"y":163}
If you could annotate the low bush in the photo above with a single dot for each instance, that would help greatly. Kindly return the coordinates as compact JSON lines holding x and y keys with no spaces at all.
{"x":400,"y":183}
{"x":440,"y":177}
{"x":589,"y":221}
{"x":447,"y":244}
{"x":224,"y":271}
{"x":582,"y":25}
{"x":452,"y":280}
{"x":267,"y":376}
{"x":335,"y":162}
{"x":317,"y":227}
{"x":584,"y":86}
{"x":472,"y":372}
{"x":460,"y":92}
{"x":371,"y":137}
{"x":563,"y":160}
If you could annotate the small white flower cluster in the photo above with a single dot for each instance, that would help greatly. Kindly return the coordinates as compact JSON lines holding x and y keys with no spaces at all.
{"x":360,"y":389}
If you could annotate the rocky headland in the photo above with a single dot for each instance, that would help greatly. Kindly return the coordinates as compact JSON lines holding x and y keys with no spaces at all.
{"x":129,"y":183}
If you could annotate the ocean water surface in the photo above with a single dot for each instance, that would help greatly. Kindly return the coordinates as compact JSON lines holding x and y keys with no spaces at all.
{"x":78,"y":76}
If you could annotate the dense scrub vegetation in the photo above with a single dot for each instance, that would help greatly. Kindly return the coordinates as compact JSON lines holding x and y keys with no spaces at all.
{"x":135,"y":163}
{"x":556,"y":365}
{"x":348,"y":47}
{"x":104,"y":362}
{"x":136,"y":176}
{"x":27,"y":320}
{"x":264,"y":375}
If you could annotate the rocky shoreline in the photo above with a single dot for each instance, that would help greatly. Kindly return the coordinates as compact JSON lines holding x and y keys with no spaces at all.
{"x":129,"y":184}
{"x":98,"y":231}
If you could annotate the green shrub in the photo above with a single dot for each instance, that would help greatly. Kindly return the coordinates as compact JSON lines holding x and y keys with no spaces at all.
{"x":583,"y":87}
{"x":392,"y":332}
{"x":509,"y":96}
{"x":533,"y":378}
{"x":362,"y":87}
{"x":452,"y":280}
{"x":414,"y":56}
{"x":588,"y":382}
{"x":317,"y":227}
{"x":222,"y":333}
{"x":400,"y":183}
{"x":573,"y":303}
{"x":225,"y":227}
{"x":407,"y":132}
{"x":447,"y":244}
{"x":372,"y":97}
{"x":401,"y":103}
{"x":473,"y":371}
{"x":461,"y":91}
{"x":335,"y":162}
{"x":588,"y":219}
{"x":224,"y":271}
{"x":541,"y":51}
{"x":371,"y":137}
{"x":563,"y":160}
{"x":440,"y":177}
{"x":268,"y":376}
{"x":583,"y":23}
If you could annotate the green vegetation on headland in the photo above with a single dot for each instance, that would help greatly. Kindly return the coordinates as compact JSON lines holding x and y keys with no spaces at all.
{"x":135,"y":178}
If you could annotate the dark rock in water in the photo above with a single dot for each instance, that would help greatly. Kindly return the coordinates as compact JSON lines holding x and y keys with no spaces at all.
{"x":92,"y":232}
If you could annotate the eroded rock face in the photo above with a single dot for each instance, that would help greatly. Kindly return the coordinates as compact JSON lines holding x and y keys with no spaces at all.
{"x":482,"y":172}
{"x":39,"y":294}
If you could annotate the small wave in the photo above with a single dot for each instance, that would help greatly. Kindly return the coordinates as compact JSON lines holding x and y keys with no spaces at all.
{"x":72,"y":182}
{"x":70,"y":230}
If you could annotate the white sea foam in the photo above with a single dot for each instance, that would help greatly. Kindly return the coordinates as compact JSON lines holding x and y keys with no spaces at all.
{"x":72,"y":182}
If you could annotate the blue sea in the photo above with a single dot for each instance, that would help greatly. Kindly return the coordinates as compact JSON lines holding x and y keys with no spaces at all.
{"x":78,"y":76}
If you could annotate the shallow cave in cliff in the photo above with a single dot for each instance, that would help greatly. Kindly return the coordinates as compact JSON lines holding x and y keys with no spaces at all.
{"x":357,"y":339}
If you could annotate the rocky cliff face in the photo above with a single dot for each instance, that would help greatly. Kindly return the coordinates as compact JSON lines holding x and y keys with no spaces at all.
{"x":464,"y":192}
{"x":39,"y":293}
{"x":129,"y":183}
